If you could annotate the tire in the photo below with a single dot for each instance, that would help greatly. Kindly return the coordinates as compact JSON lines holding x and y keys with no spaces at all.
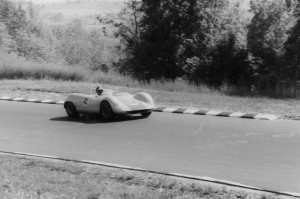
{"x":71,"y":110}
{"x":147,"y":114}
{"x":106,"y":111}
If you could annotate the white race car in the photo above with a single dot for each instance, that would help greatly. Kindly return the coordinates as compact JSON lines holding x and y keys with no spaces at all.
{"x":108,"y":103}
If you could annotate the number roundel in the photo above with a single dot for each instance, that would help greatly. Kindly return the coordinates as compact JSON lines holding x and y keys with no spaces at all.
{"x":85,"y":100}
{"x":131,"y":102}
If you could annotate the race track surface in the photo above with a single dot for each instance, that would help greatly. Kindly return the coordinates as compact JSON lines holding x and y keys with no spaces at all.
{"x":264,"y":154}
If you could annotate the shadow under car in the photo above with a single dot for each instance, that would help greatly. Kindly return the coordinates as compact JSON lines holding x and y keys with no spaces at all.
{"x":93,"y":119}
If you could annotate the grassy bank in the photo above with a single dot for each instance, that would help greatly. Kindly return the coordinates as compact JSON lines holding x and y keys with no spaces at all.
{"x":12,"y":67}
{"x":26,"y":177}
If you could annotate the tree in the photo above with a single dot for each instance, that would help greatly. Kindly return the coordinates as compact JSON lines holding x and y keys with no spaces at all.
{"x":156,"y":42}
{"x":22,"y":34}
{"x":268,"y":32}
{"x":130,"y":17}
{"x":219,"y":53}
{"x":292,"y":48}
{"x":97,"y":60}
{"x":32,"y":11}
{"x":14,"y":18}
{"x":129,"y":32}
{"x":6,"y":42}
{"x":74,"y":44}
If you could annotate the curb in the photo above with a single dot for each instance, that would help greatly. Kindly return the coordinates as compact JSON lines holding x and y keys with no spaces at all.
{"x":20,"y":99}
{"x":195,"y":111}
{"x":178,"y":175}
{"x":179,"y":110}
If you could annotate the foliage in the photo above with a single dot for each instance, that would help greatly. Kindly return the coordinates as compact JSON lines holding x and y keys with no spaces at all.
{"x":214,"y":42}
{"x":74,"y":45}
{"x":163,"y":26}
{"x":180,"y":39}
{"x":268,"y":34}
{"x":20,"y":33}
{"x":211,"y":42}
{"x":24,"y":33}
{"x":129,"y":28}
{"x":6,"y":42}
{"x":292,"y":49}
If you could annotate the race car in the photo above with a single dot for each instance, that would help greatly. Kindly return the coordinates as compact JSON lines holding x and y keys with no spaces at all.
{"x":108,"y":103}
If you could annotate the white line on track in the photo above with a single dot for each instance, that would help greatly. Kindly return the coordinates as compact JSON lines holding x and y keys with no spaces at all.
{"x":293,"y":194}
{"x":215,"y":180}
{"x":113,"y":165}
{"x":37,"y":155}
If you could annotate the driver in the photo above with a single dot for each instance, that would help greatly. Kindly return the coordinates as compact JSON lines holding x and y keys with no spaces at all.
{"x":99,"y":90}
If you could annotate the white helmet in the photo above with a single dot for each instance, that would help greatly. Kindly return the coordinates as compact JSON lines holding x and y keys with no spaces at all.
{"x":99,"y":90}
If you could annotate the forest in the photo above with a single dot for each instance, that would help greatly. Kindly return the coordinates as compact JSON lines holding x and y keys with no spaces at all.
{"x":254,"y":49}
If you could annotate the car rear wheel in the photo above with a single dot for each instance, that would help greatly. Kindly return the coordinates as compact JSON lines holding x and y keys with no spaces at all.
{"x":147,"y":114}
{"x":71,"y":110}
{"x":106,"y":111}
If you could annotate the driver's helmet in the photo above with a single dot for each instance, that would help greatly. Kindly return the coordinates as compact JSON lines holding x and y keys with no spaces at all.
{"x":99,"y":90}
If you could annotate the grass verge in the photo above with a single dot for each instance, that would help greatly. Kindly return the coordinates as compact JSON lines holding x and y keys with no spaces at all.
{"x":28,"y":177}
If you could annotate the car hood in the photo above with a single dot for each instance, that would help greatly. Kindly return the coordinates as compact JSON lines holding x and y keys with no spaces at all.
{"x":131,"y":102}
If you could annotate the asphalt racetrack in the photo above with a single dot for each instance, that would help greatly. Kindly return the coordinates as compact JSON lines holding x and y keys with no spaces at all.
{"x":264,"y":154}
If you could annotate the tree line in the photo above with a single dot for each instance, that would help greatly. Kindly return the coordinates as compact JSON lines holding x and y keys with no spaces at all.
{"x":213,"y":42}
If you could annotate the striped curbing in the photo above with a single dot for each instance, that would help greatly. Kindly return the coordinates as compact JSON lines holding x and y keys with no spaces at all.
{"x":179,"y":110}
{"x":178,"y":175}
{"x":32,"y":100}
{"x":195,"y":111}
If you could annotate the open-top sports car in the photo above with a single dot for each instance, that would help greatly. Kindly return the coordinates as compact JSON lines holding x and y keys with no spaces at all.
{"x":108,"y":103}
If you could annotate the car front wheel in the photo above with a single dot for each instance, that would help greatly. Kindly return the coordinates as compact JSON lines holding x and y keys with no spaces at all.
{"x":106,"y":111}
{"x":71,"y":110}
